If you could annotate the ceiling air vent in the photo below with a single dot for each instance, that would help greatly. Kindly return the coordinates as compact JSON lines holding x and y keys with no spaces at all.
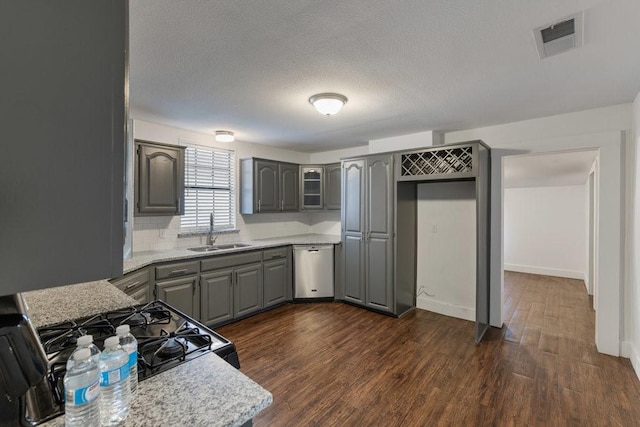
{"x":561,"y":36}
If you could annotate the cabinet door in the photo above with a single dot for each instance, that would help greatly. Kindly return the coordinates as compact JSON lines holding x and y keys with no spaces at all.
{"x":63,"y":112}
{"x":353,"y":230}
{"x":332,"y":186}
{"x":181,"y":294}
{"x":266,"y":183}
{"x":247,"y":296}
{"x":353,"y":196}
{"x":217,"y":296}
{"x":275,"y":281}
{"x":160,"y":186}
{"x":353,"y":269}
{"x":289,"y":187}
{"x":379,"y":235}
{"x":141,"y":295}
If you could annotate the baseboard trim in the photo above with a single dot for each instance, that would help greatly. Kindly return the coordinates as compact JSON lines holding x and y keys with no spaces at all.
{"x":634,"y":356}
{"x":446,"y":309}
{"x":568,"y":274}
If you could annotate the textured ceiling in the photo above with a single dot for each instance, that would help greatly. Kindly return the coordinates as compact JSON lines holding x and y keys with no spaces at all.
{"x":545,"y":170}
{"x":406,"y":65}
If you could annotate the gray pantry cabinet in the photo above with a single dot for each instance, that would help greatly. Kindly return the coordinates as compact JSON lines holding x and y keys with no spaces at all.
{"x":268,"y":186}
{"x":367,"y":218}
{"x":159,"y":179}
{"x":64,"y":108}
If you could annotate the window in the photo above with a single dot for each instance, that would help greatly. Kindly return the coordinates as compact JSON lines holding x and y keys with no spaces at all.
{"x":208,"y":188}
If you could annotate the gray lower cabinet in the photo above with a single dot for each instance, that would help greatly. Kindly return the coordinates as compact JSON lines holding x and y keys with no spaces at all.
{"x":217,"y":296}
{"x":367,"y":231}
{"x":159,"y":179}
{"x":247,"y":295}
{"x":136,"y":284}
{"x":275,"y":281}
{"x":181,"y":293}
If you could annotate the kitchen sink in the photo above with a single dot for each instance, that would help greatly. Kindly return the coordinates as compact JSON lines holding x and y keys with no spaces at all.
{"x":205,"y":249}
{"x":232,"y":245}
{"x":212,"y":248}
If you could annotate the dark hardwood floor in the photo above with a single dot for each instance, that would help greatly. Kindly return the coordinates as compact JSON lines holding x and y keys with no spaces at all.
{"x":337,"y":365}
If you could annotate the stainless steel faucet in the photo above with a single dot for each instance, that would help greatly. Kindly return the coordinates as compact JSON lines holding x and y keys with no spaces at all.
{"x":210,"y":239}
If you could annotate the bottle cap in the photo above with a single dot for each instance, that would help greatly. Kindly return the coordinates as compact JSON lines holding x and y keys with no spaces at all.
{"x":82,"y":354}
{"x":85,"y":340}
{"x":123,"y":329}
{"x":112,"y":342}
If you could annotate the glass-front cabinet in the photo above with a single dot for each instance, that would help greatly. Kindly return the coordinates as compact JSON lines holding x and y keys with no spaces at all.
{"x":312,"y":178}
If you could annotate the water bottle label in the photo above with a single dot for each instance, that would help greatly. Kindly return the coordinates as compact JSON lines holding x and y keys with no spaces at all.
{"x":133,"y":359}
{"x":83,"y":395}
{"x":115,"y":375}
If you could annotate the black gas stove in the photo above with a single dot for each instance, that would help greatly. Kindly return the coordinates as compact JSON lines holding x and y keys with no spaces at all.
{"x":166,"y":338}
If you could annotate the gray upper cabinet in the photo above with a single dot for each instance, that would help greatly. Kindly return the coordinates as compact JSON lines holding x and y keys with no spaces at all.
{"x":268,"y":186}
{"x":332,"y":186}
{"x":63,"y":108}
{"x":353,"y":182}
{"x":367,"y":234}
{"x":289,"y":182}
{"x":311,"y":187}
{"x":159,"y":188}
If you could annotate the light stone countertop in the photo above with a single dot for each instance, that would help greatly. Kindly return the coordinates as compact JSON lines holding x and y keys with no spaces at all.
{"x":143,"y":259}
{"x":206,"y":391}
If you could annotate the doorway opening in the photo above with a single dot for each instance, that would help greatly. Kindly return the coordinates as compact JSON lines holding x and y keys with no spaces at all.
{"x":550,"y":210}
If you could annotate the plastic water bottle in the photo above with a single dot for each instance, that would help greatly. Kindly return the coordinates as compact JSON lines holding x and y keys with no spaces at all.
{"x":84,"y":341}
{"x":82,"y":391}
{"x":115,"y":389}
{"x":130,"y":345}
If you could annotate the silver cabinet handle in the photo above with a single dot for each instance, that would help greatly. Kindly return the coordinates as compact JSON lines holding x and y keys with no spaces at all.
{"x":259,"y":204}
{"x":180,"y":271}
{"x":282,"y":205}
{"x":178,"y":204}
{"x":132,"y":285}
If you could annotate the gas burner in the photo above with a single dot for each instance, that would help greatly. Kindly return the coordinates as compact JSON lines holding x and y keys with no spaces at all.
{"x":65,"y":335}
{"x":171,"y":349}
{"x":140,"y":317}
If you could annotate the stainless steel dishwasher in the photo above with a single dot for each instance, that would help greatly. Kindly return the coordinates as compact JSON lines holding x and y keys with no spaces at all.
{"x":313,"y":266}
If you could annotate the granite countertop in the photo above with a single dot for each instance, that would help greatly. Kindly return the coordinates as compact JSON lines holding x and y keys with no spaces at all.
{"x":143,"y":259}
{"x":205,"y":391}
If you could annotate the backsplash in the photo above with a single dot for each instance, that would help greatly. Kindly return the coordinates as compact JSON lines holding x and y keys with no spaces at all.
{"x":161,"y":232}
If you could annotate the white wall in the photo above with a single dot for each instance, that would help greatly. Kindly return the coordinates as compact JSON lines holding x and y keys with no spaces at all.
{"x":446,"y":247}
{"x":160,"y":233}
{"x":634,"y":288}
{"x":602,"y":129}
{"x":545,"y":231}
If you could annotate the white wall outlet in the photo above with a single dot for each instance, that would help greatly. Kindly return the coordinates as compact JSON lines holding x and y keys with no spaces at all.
{"x":161,"y":233}
{"x":434,"y":228}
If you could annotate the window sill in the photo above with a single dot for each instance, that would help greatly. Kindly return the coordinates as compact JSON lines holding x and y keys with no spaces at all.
{"x":206,"y":232}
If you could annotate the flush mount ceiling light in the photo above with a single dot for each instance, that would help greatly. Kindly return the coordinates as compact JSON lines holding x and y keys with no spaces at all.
{"x":328,"y":103}
{"x":225,"y":136}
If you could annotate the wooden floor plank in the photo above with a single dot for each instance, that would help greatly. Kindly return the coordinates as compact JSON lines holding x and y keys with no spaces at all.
{"x":333,"y":364}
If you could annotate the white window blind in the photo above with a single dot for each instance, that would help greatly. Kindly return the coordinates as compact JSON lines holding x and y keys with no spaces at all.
{"x":208,"y":187}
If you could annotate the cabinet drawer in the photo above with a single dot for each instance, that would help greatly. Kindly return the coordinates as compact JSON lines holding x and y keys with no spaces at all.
{"x":230,"y":260}
{"x":132,"y":282}
{"x":275,"y":253}
{"x":176,"y":270}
